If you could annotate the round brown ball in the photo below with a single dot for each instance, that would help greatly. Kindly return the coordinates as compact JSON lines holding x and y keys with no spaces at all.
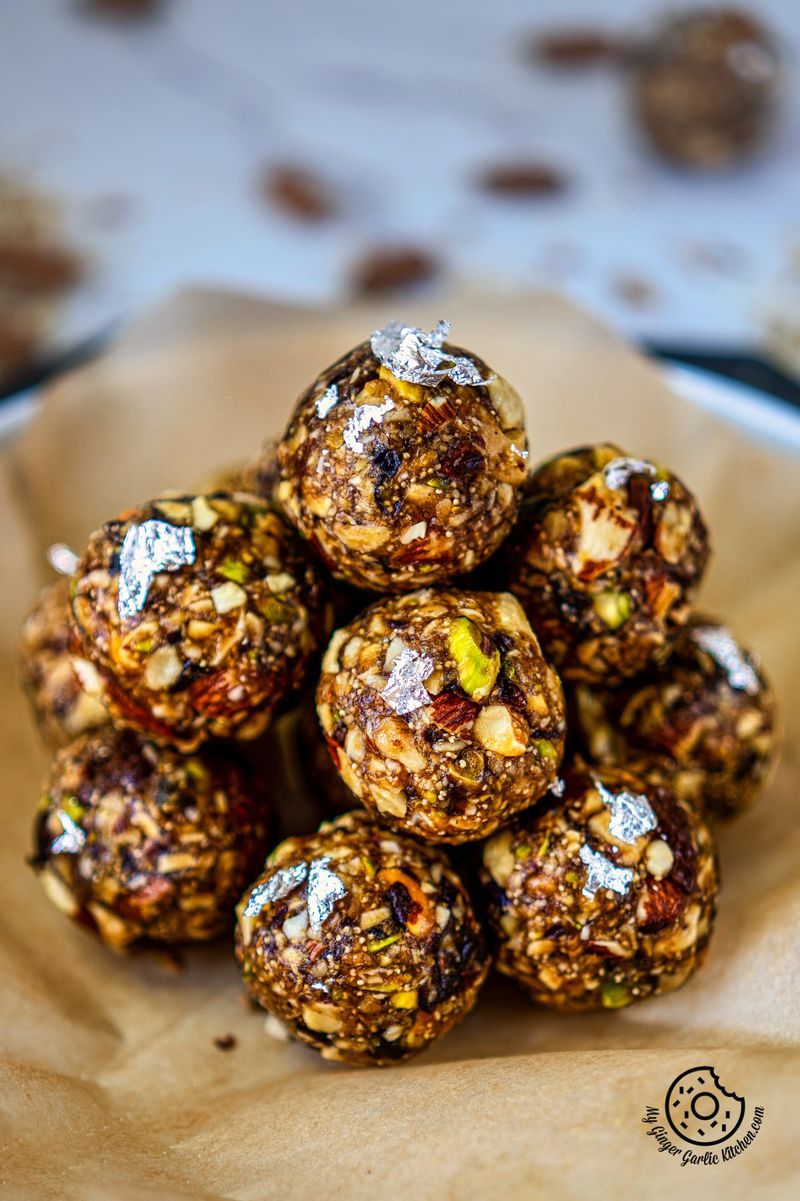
{"x":704,"y":724}
{"x":144,"y":844}
{"x":201,"y":614}
{"x":604,"y":896}
{"x":399,"y":483}
{"x":63,"y":687}
{"x":441,"y":712}
{"x":607,"y":554}
{"x":362,"y":942}
{"x":704,"y":87}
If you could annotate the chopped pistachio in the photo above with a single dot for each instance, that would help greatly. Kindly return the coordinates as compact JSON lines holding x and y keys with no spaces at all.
{"x":234,"y":569}
{"x":477,"y":668}
{"x":614,"y":995}
{"x":613,"y":608}
{"x":405,"y":1000}
{"x":379,"y":943}
{"x":546,"y":749}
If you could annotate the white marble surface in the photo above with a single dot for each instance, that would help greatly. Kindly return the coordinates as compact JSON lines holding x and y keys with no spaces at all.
{"x":400,"y":104}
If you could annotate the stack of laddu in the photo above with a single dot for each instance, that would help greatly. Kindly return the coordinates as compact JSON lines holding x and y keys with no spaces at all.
{"x":531,"y":680}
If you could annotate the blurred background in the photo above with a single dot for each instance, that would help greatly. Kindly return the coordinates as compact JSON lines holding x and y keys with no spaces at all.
{"x":644,"y":162}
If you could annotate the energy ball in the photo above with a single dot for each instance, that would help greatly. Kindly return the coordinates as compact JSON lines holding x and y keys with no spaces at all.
{"x":704,"y":87}
{"x":144,"y":844}
{"x":403,"y":463}
{"x":605,"y":896}
{"x":704,"y":723}
{"x":64,"y":689}
{"x":363,"y":943}
{"x":441,"y":713}
{"x":201,"y":614}
{"x":608,"y":552}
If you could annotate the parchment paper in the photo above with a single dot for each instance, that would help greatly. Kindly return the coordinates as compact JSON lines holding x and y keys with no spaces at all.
{"x":110,"y":1085}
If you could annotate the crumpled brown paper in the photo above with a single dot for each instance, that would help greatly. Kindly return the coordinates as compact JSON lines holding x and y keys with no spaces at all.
{"x":110,"y":1085}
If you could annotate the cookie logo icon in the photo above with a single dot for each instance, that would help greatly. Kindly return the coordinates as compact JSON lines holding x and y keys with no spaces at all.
{"x":700,"y":1110}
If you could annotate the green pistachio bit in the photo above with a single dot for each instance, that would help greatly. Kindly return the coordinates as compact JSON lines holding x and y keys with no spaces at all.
{"x":544,"y":845}
{"x":196,"y":769}
{"x":546,"y":749}
{"x":613,"y":608}
{"x":477,"y":668}
{"x":614,"y":995}
{"x":438,"y":482}
{"x":234,"y":569}
{"x":73,"y":588}
{"x":571,"y":877}
{"x":275,"y":612}
{"x":379,"y":943}
{"x":73,"y":808}
{"x":369,"y":866}
{"x":144,"y":647}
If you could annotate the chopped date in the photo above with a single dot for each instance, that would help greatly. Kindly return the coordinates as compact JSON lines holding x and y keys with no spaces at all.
{"x":575,"y":48}
{"x":462,"y":462}
{"x":522,"y":180}
{"x":299,"y":192}
{"x":404,"y":907}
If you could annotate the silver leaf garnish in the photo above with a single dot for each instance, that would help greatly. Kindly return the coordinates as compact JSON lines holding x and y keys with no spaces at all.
{"x":522,"y":454}
{"x":405,"y":690}
{"x":602,"y":873}
{"x":324,"y":890}
{"x":359,"y":423}
{"x":558,"y":787}
{"x":149,"y":548}
{"x":659,"y":490}
{"x":631,"y":813}
{"x":285,"y":880}
{"x":413,"y":355}
{"x":723,"y":648}
{"x":619,"y":471}
{"x":71,"y":840}
{"x":62,"y":558}
{"x":328,"y":400}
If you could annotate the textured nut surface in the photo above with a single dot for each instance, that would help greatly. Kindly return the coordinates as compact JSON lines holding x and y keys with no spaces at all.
{"x":218,"y":642}
{"x":704,"y":723}
{"x":605,"y":558}
{"x":398,"y":484}
{"x":394,"y":960}
{"x":578,"y":932}
{"x":142,"y":843}
{"x":406,"y":736}
{"x":64,"y":690}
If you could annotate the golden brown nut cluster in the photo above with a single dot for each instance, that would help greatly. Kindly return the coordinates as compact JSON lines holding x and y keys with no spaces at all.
{"x":603,"y":897}
{"x":704,"y":723}
{"x":200,"y":613}
{"x":361,"y":941}
{"x":608,"y":552}
{"x":704,"y":87}
{"x":441,"y":713}
{"x":64,"y":689}
{"x":404,"y":461}
{"x":142,"y":843}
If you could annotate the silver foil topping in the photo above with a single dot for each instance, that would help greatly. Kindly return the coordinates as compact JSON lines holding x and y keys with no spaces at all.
{"x":602,"y":873}
{"x":723,"y":648}
{"x":285,"y":880}
{"x":631,"y":813}
{"x":405,"y":690}
{"x":72,"y":838}
{"x":359,"y":423}
{"x":522,"y":454}
{"x":558,"y":787}
{"x":149,"y":548}
{"x":413,"y":355}
{"x":328,"y":400}
{"x":324,"y":890}
{"x":62,"y":559}
{"x":619,"y":471}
